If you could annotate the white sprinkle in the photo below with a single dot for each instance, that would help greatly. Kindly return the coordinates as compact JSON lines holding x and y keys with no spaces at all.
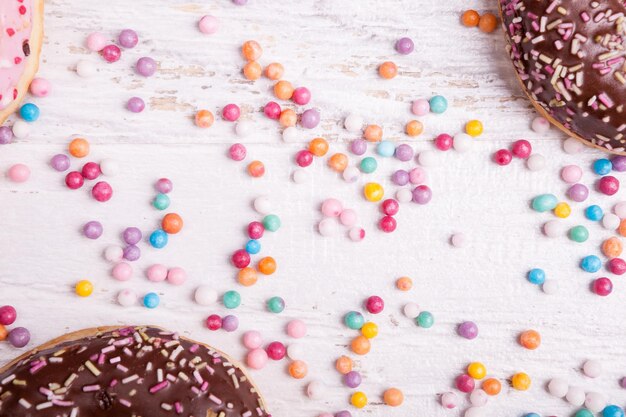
{"x":130,"y":379}
{"x":24,"y":403}
{"x":74,"y":412}
{"x":215,"y":399}
{"x":92,"y":368}
{"x":159,"y":375}
{"x":176,"y":352}
{"x":8,"y":379}
{"x":115,"y":359}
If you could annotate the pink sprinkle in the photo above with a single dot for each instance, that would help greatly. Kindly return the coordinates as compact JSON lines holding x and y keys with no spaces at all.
{"x":196,"y":374}
{"x":108,"y":349}
{"x":605,"y":71}
{"x":215,"y":399}
{"x":606,"y":100}
{"x":113,"y":383}
{"x":37,"y":367}
{"x":61,"y":403}
{"x":195,"y":390}
{"x":123,"y":342}
{"x":125,"y":403}
{"x":585,"y":17}
{"x":91,"y":388}
{"x":158,"y":387}
{"x":552,"y":6}
{"x":128,"y":351}
{"x":93,"y":357}
{"x":45,"y":391}
{"x":101,"y":359}
{"x":178,"y":407}
{"x":122,"y":367}
{"x":194,"y":348}
{"x":532,"y":16}
{"x":204,"y":386}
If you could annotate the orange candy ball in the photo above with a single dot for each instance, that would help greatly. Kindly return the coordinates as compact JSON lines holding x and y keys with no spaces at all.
{"x":283,"y":90}
{"x":79,"y":148}
{"x":274,"y":71}
{"x":343,"y":364}
{"x":622,"y":228}
{"x":204,"y":119}
{"x":252,"y":70}
{"x":251,"y":50}
{"x":530,"y":339}
{"x":256,"y":169}
{"x":247,"y":276}
{"x":492,"y":386}
{"x":388,"y":70}
{"x":470,"y":18}
{"x":393,"y":397}
{"x":404,"y":283}
{"x":487,"y":23}
{"x":288,"y":118}
{"x":172,"y":223}
{"x":267,"y":265}
{"x":612,"y":247}
{"x":360,"y":345}
{"x":4,"y":333}
{"x":318,"y":146}
{"x":373,"y":133}
{"x":338,"y":162}
{"x":414,"y":128}
{"x":298,"y":369}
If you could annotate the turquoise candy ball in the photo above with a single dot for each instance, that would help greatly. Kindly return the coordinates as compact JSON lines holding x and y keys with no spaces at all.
{"x":151,"y":300}
{"x":544,"y":202}
{"x":368,"y":165}
{"x":579,"y":234}
{"x":591,"y":263}
{"x":532,"y":415}
{"x":271,"y":222}
{"x":29,"y":112}
{"x":231,"y":299}
{"x":425,"y":319}
{"x":385,"y":149}
{"x":583,"y":413}
{"x":158,"y":239}
{"x":161,"y":202}
{"x":612,"y":411}
{"x":276,"y":305}
{"x":354,"y":320}
{"x":594,"y":213}
{"x":438,"y":104}
{"x":536,"y":276}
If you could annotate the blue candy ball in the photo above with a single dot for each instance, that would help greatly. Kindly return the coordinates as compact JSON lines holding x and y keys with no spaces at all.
{"x":253,"y":247}
{"x":385,"y":148}
{"x":161,"y":202}
{"x":594,"y":213}
{"x":158,"y":239}
{"x":537,"y":276}
{"x":591,"y":264}
{"x":151,"y":300}
{"x":29,"y":112}
{"x":612,"y":411}
{"x":438,"y":104}
{"x":532,"y":415}
{"x":602,"y":166}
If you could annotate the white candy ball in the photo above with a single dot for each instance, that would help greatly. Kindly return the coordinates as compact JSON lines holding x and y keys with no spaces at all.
{"x":427,"y":159}
{"x":554,"y":228}
{"x":404,"y":195}
{"x":109,"y":167}
{"x":353,"y":123}
{"x":462,"y":142}
{"x":458,"y":240}
{"x":262,"y":205}
{"x":351,"y":174}
{"x":411,"y":310}
{"x":300,"y":176}
{"x":86,"y":69}
{"x":572,"y":146}
{"x":592,"y":368}
{"x":291,"y":134}
{"x":127,"y":298}
{"x":478,"y":398}
{"x":610,"y":221}
{"x":244,"y":128}
{"x":316,"y":390}
{"x":575,"y":396}
{"x":595,"y":402}
{"x":205,"y":295}
{"x":550,"y":287}
{"x":327,"y":227}
{"x":295,"y":351}
{"x":356,"y":234}
{"x":449,"y":400}
{"x":620,"y":209}
{"x":536,"y":162}
{"x":558,"y":387}
{"x":113,"y":253}
{"x":20,"y":129}
{"x":540,"y":125}
{"x":474,"y":412}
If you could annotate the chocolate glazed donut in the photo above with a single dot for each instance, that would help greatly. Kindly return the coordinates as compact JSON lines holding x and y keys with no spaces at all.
{"x":570,"y":57}
{"x":131,"y":371}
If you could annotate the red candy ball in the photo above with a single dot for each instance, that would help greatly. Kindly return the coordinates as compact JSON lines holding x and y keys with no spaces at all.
{"x":502,"y":157}
{"x":276,"y":351}
{"x":255,"y":230}
{"x":602,"y":286}
{"x":91,"y":170}
{"x":214,"y":322}
{"x":374,"y":304}
{"x":7,"y":315}
{"x":608,"y":185}
{"x":102,"y":191}
{"x":111,"y":53}
{"x":617,"y":266}
{"x":522,"y":148}
{"x":443,"y":142}
{"x":390,"y":207}
{"x":304,"y":158}
{"x":74,"y":180}
{"x":387,"y":224}
{"x":272,"y":110}
{"x":240,"y":258}
{"x":464,"y":383}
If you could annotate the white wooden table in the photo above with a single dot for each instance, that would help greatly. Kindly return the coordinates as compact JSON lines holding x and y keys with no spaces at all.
{"x":332,"y":47}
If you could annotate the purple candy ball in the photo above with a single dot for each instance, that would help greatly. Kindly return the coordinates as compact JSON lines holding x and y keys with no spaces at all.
{"x":352,"y":379}
{"x":6,"y":135}
{"x":164,"y":185}
{"x":400,"y":177}
{"x":358,"y":146}
{"x":92,"y":229}
{"x":619,"y":163}
{"x":422,"y":194}
{"x":60,"y":162}
{"x":310,"y":118}
{"x":240,"y":2}
{"x":404,"y":152}
{"x":623,"y":382}
{"x":146,"y":66}
{"x":468,"y":330}
{"x":19,"y":337}
{"x":343,"y":413}
{"x":230,"y":323}
{"x":404,"y":46}
{"x":128,"y":38}
{"x":135,"y":104}
{"x":132,"y":235}
{"x":132,"y":253}
{"x":578,"y":192}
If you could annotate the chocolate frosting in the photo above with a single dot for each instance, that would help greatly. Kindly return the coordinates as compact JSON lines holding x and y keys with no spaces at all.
{"x":570,"y":56}
{"x":134,"y":371}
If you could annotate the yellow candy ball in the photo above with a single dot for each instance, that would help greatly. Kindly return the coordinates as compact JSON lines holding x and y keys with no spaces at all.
{"x":369,"y":330}
{"x":476,"y":370}
{"x":373,"y":192}
{"x":520,"y":381}
{"x":358,"y":399}
{"x":84,"y":288}
{"x":562,"y":210}
{"x":474,"y":128}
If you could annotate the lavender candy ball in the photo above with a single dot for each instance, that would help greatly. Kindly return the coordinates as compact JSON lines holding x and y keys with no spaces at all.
{"x":128,"y":38}
{"x":19,"y":337}
{"x":352,"y":379}
{"x":400,"y":177}
{"x":358,"y":146}
{"x":422,"y":194}
{"x":468,"y":330}
{"x":135,"y":104}
{"x":146,"y":66}
{"x":404,"y":152}
{"x":343,"y":413}
{"x":92,"y":229}
{"x":230,"y":323}
{"x":60,"y":162}
{"x":132,"y":235}
{"x":310,"y":118}
{"x":619,"y":163}
{"x":240,"y":2}
{"x":623,"y":382}
{"x":404,"y":46}
{"x":578,"y":192}
{"x":6,"y":135}
{"x":132,"y":253}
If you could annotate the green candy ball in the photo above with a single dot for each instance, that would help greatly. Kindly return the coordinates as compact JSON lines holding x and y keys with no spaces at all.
{"x":579,"y":234}
{"x":231,"y":299}
{"x":271,"y":222}
{"x":368,"y":165}
{"x":544,"y":202}
{"x":276,"y":304}
{"x":354,"y":320}
{"x":425,"y":319}
{"x":161,"y":202}
{"x":583,"y":413}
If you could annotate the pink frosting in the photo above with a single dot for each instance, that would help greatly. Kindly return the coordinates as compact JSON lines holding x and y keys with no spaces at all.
{"x":15,"y":29}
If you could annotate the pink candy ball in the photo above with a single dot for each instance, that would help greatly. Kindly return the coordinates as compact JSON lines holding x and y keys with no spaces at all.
{"x":390,"y":207}
{"x":164,"y":185}
{"x":374,"y":304}
{"x":91,"y":171}
{"x":417,"y":176}
{"x":301,"y":96}
{"x":237,"y":152}
{"x":231,"y":112}
{"x":276,"y":351}
{"x":296,"y":329}
{"x":464,"y":383}
{"x":18,"y":173}
{"x":617,"y":266}
{"x":331,"y":207}
{"x":252,"y":339}
{"x":304,"y":158}
{"x":156,"y":273}
{"x":256,"y":230}
{"x":111,"y":53}
{"x":602,"y":286}
{"x":240,"y":258}
{"x":256,"y":358}
{"x":387,"y":224}
{"x":122,"y":271}
{"x":502,"y":157}
{"x":420,"y":107}
{"x":208,"y":24}
{"x":443,"y":142}
{"x":348,"y":217}
{"x":176,"y":276}
{"x":96,"y":41}
{"x":521,"y":148}
{"x":608,"y":185}
{"x":40,"y":87}
{"x":272,"y":110}
{"x":571,"y":174}
{"x":102,"y":191}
